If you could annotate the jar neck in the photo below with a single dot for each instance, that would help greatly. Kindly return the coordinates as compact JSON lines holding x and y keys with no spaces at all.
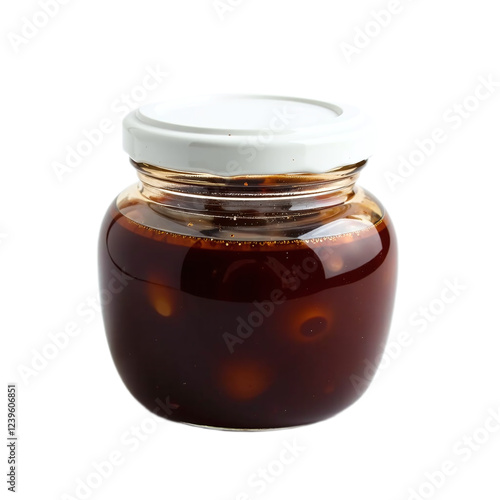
{"x":252,"y":195}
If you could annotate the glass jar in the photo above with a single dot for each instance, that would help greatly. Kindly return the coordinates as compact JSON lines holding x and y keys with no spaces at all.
{"x":248,"y":280}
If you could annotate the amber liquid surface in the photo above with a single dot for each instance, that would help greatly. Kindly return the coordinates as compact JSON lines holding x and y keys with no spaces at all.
{"x":245,"y":335}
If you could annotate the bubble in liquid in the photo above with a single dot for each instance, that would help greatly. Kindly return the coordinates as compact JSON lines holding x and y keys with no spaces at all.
{"x":313,"y":326}
{"x":334,"y":263}
{"x":160,"y":299}
{"x":243,"y":380}
{"x":310,"y":323}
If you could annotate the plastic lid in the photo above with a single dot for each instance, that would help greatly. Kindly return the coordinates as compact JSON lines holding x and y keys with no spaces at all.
{"x":231,"y":135}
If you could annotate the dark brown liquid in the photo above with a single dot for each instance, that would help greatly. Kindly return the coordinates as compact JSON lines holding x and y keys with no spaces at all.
{"x":245,"y":334}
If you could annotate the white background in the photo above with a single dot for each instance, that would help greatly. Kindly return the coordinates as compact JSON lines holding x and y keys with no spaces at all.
{"x":430,"y":395}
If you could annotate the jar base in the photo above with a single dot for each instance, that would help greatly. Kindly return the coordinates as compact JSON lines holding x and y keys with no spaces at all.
{"x":236,"y":429}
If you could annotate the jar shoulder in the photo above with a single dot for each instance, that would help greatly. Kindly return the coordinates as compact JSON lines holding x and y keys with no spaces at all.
{"x":360,"y":211}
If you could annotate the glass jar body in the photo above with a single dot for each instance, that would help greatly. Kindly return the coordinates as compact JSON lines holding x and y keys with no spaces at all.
{"x":253,"y":304}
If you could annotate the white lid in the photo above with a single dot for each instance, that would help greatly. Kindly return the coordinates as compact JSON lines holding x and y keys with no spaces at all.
{"x":230,"y":135}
